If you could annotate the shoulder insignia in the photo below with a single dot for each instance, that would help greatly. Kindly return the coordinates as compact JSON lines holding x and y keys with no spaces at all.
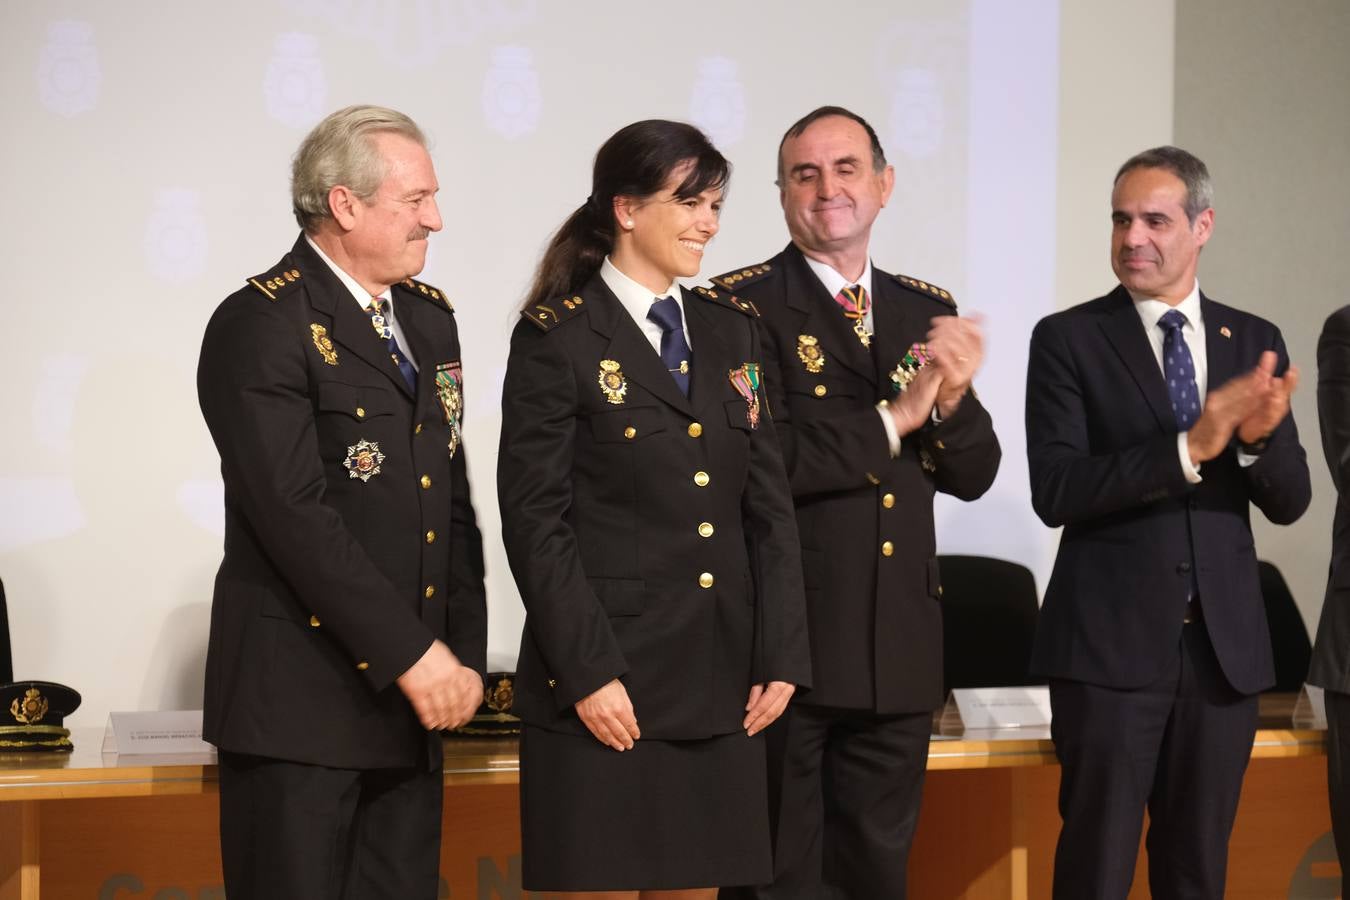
{"x":277,"y":281}
{"x":741,"y":277}
{"x":435,"y":295}
{"x":924,"y":287}
{"x":554,"y":312}
{"x":722,"y":298}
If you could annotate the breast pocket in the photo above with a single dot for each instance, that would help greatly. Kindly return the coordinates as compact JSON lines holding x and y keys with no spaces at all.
{"x":626,"y":425}
{"x":357,"y":402}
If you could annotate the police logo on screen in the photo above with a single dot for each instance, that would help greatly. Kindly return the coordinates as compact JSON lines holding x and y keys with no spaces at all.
{"x":68,"y":72}
{"x":717,"y":103}
{"x":294,"y":87}
{"x":511,"y":95}
{"x":175,"y":235}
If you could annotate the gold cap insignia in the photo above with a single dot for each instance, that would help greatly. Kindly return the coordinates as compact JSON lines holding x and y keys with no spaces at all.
{"x":323,"y":343}
{"x":500,"y":698}
{"x":363,"y":460}
{"x":31,"y":709}
{"x":612,"y":382}
{"x":809,"y":352}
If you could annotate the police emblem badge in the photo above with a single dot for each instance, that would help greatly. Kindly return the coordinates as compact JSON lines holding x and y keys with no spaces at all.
{"x":908,"y":368}
{"x":450,"y":394}
{"x":363,"y":460}
{"x":746,"y":382}
{"x":31,"y":709}
{"x":612,"y":382}
{"x":809,"y":352}
{"x":323,"y":343}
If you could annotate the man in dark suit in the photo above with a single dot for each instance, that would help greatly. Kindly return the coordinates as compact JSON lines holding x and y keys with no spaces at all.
{"x":1154,"y":418}
{"x":864,"y":461}
{"x":1331,"y":654}
{"x":349,"y":622}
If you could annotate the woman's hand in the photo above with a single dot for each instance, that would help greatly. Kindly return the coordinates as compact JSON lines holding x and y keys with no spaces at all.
{"x":608,"y":714}
{"x":766,"y":703}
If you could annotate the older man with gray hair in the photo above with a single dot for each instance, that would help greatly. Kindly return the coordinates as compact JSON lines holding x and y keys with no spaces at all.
{"x":349,"y":623}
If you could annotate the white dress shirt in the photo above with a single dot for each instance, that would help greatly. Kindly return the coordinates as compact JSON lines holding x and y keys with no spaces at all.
{"x":364,"y":299}
{"x":1150,"y":311}
{"x":638,"y":300}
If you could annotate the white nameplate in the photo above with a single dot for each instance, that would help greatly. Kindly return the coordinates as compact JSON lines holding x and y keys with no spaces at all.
{"x":144,"y":733}
{"x":1310,"y":710}
{"x":1005,"y":707}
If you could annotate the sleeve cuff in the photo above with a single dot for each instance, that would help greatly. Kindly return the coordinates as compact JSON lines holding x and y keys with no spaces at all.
{"x":1184,"y":455}
{"x":892,"y":433}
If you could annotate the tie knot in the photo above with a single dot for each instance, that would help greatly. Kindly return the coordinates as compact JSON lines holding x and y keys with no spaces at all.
{"x":853,"y":299}
{"x":1172,"y":320}
{"x":666,"y":313}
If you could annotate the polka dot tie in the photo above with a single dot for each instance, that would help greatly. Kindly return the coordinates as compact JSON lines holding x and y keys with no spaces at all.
{"x":1179,"y":370}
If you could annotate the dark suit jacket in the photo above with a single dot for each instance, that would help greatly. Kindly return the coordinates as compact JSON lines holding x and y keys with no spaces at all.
{"x":602,"y":502}
{"x":875,"y":618}
{"x":1331,"y":654}
{"x":1102,"y":453}
{"x":332,"y":586}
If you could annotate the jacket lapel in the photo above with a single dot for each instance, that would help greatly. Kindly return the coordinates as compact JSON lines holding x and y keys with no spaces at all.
{"x":629,"y":347}
{"x":1126,"y":333}
{"x":825,"y":319}
{"x":351,"y":326}
{"x":712,"y":357}
{"x":1220,"y":354}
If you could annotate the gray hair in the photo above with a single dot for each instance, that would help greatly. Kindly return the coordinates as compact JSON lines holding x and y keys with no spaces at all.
{"x":1186,"y":166}
{"x":339,"y":151}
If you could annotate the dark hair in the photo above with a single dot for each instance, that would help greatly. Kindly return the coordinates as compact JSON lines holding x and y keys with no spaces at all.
{"x":1183,"y":164}
{"x":636,"y":162}
{"x":824,"y":112}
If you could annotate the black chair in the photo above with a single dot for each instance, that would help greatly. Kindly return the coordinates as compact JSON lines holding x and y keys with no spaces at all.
{"x":6,"y":657}
{"x":1288,"y":635}
{"x":988,"y":622}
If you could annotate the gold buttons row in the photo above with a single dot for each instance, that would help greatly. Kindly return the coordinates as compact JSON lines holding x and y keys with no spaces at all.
{"x":425,"y":482}
{"x":888,"y":500}
{"x":431,"y":537}
{"x":701,"y":479}
{"x":820,"y":390}
{"x":705,"y":580}
{"x":705,"y":529}
{"x":695,"y":429}
{"x":630,"y":432}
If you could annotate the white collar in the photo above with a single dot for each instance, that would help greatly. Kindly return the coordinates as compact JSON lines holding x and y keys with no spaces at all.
{"x":1151,"y":310}
{"x":634,"y":297}
{"x":348,"y":281}
{"x":834,"y":282}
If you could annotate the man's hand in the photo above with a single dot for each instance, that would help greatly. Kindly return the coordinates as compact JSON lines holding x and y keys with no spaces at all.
{"x":608,"y":714}
{"x":766,"y":703}
{"x":912,"y":409}
{"x":957,"y":345}
{"x":1271,"y":411}
{"x":443,"y":692}
{"x":1229,"y":406}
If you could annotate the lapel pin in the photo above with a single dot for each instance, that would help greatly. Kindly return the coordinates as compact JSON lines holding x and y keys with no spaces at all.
{"x":1225,"y":332}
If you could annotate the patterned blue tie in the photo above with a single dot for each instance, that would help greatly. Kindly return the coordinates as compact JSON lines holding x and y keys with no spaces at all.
{"x":379,"y":317}
{"x":1179,"y":370}
{"x":675,"y":351}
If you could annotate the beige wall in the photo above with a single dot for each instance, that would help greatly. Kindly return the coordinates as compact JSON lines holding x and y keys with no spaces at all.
{"x":1261,"y":96}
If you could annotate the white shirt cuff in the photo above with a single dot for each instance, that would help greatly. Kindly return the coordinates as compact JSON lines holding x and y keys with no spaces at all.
{"x":1183,"y":452}
{"x":892,"y":433}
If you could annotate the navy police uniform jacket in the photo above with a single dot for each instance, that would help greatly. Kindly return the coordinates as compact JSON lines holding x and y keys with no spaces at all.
{"x":873,"y":590}
{"x":651,"y":535}
{"x":350,"y":539}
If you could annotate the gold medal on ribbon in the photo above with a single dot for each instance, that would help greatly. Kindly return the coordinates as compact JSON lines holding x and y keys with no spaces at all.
{"x":450,"y":394}
{"x":612,"y":382}
{"x":746,"y":382}
{"x":809,"y":352}
{"x":908,"y":368}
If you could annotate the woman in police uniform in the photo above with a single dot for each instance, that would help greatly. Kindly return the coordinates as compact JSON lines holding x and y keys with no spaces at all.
{"x":648,"y":522}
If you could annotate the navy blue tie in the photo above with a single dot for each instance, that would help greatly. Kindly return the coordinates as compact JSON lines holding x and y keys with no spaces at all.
{"x":379,"y":317}
{"x":675,"y":351}
{"x":1179,"y":370}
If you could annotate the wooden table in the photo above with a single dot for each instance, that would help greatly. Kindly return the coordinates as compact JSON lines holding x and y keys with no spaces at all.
{"x":84,"y":825}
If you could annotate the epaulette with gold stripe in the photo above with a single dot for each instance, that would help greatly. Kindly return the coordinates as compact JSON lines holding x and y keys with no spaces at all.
{"x":740,"y":277}
{"x":277,"y":281}
{"x":731,"y":301}
{"x":930,"y":289}
{"x":435,"y":295}
{"x":548,"y":315}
